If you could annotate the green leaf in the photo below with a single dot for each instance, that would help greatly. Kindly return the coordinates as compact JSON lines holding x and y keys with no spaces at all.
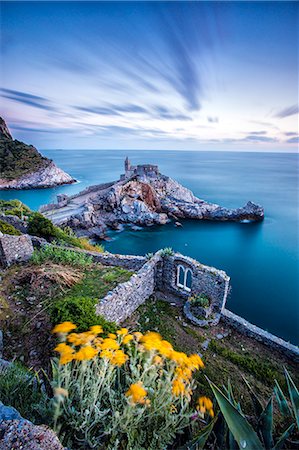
{"x":255,"y":400}
{"x":238,"y":425}
{"x":201,"y":438}
{"x":279,"y":445}
{"x":294,"y":396}
{"x":282,"y":401}
{"x":266,"y":424}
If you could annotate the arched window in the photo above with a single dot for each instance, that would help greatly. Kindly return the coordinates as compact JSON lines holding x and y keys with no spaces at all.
{"x":184,"y":278}
{"x":180,"y":279}
{"x":188,"y":280}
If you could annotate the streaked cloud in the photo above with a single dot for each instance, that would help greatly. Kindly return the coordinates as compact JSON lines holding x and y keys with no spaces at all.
{"x":286,"y":112}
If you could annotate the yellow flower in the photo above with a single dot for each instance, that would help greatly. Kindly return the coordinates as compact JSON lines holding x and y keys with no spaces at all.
{"x":60,"y":392}
{"x":96,"y":329}
{"x":137,"y":393}
{"x":106,"y":354}
{"x":151,"y":340}
{"x":127,"y":339}
{"x":112,"y":336}
{"x":178,"y":387}
{"x":85,"y":353}
{"x":137,"y":335}
{"x":184,"y":374}
{"x":122,"y":331}
{"x":118,"y":358}
{"x":64,"y":327}
{"x":158,"y":360}
{"x":66,"y":358}
{"x":195,"y":362}
{"x":64,"y":348}
{"x":179,"y":358}
{"x":204,"y":404}
{"x":81,"y":338}
{"x":109,"y":344}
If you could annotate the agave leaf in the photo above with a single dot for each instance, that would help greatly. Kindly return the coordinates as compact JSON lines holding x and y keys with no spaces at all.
{"x":258,"y":407}
{"x":266,"y":424}
{"x":294,"y":396}
{"x":282,"y":401}
{"x":280,"y":443}
{"x":238,"y":425}
{"x":199,"y":441}
{"x":233,"y":445}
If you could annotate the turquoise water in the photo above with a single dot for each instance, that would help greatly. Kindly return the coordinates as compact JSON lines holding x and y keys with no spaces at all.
{"x":261,"y":259}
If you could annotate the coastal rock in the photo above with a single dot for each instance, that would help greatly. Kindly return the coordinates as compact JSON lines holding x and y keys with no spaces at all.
{"x":23,"y":167}
{"x":144,"y":197}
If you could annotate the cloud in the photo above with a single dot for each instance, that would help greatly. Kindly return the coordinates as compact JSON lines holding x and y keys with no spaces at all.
{"x":213,"y":119}
{"x":102,"y":111}
{"x":258,"y":132}
{"x":259,"y":138}
{"x":290,"y":133}
{"x":27,"y":99}
{"x":293,"y":140}
{"x":286,"y":112}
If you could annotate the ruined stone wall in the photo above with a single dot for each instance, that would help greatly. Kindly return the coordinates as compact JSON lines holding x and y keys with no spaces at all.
{"x":248,"y":329}
{"x":14,"y":249}
{"x":205,"y":280}
{"x":122,"y":301}
{"x":129,"y":262}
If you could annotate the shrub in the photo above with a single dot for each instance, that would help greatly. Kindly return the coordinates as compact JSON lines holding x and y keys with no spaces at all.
{"x":80,"y":310}
{"x":7,"y":228}
{"x":167,"y":251}
{"x":200,"y":300}
{"x":141,"y":400}
{"x":22,"y":389}
{"x":39,"y":225}
{"x":61,"y":256}
{"x":14,"y":208}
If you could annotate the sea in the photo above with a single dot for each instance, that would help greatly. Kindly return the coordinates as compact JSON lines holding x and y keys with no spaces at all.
{"x":262,"y":259}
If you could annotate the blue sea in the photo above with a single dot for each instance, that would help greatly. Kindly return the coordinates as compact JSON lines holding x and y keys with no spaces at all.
{"x":261,"y":258}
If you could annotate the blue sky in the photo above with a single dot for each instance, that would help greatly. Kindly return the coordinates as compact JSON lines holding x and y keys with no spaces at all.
{"x":151,"y":75}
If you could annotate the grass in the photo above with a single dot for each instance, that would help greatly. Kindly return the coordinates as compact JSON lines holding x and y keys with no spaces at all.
{"x":60,"y":256}
{"x":14,"y":208}
{"x":232,"y":357}
{"x":7,"y":228}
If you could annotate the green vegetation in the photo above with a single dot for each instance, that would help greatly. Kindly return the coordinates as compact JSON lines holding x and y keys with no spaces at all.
{"x":200,"y":300}
{"x":263,"y":371}
{"x":18,"y":159}
{"x":79,"y":310}
{"x":60,"y":256}
{"x":14,"y":208}
{"x":22,"y":389}
{"x":7,"y":228}
{"x":167,"y":251}
{"x":39,"y":225}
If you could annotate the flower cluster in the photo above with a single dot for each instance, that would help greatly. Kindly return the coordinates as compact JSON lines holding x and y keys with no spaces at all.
{"x":205,"y":405}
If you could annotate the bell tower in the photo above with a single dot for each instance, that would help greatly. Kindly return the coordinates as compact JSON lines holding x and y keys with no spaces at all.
{"x":127,"y":164}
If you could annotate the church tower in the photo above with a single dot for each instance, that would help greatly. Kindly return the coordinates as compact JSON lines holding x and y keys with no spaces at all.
{"x":127,"y":164}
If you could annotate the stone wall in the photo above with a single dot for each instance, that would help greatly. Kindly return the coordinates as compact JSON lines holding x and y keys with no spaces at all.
{"x":206,"y":280}
{"x":122,"y":301}
{"x":248,"y":329}
{"x":15,"y":249}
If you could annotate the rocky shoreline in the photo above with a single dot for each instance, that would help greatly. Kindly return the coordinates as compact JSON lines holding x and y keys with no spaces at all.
{"x":23,"y":167}
{"x":143,"y":197}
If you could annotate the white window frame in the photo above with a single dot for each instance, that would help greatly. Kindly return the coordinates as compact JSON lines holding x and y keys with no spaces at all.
{"x":185,"y":274}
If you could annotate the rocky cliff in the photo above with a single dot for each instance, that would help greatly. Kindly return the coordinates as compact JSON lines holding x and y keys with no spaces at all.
{"x":141,"y":199}
{"x":23,"y":167}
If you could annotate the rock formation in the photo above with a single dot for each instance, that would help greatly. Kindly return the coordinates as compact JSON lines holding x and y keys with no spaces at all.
{"x":23,"y":167}
{"x":142,"y":196}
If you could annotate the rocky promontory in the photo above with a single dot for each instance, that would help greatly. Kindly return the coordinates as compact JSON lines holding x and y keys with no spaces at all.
{"x":23,"y":167}
{"x":142,"y":196}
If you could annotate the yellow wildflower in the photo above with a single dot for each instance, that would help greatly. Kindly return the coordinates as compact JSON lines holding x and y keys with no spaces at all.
{"x":81,"y":338}
{"x":158,"y":360}
{"x":112,"y":336}
{"x":195,"y":362}
{"x":85,"y":353}
{"x":179,"y":358}
{"x":137,"y":393}
{"x":127,"y":338}
{"x":178,"y":387}
{"x":118,"y":358}
{"x":66,"y":358}
{"x":122,"y":331}
{"x":64,"y":348}
{"x":60,"y":392}
{"x":64,"y":327}
{"x":109,"y":344}
{"x":96,"y":329}
{"x":184,"y":374}
{"x":106,"y":354}
{"x":204,"y":404}
{"x":138,"y":335}
{"x":151,"y":340}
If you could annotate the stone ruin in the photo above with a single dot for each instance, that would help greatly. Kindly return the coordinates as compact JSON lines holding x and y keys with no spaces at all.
{"x":14,"y":249}
{"x":142,"y":170}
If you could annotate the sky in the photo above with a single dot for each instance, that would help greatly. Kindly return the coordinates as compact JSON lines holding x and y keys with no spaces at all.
{"x":151,"y":75}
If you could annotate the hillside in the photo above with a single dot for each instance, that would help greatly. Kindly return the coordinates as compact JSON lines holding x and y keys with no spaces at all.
{"x":23,"y":167}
